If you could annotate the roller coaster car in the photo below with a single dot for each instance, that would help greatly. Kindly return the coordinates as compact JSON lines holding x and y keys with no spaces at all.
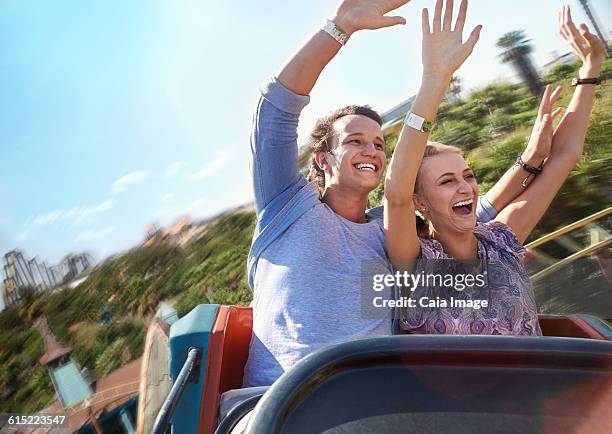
{"x":412,"y":383}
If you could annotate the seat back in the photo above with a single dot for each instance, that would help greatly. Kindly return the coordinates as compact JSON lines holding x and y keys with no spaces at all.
{"x":228,"y":350}
{"x":570,"y":326}
{"x":192,"y":330}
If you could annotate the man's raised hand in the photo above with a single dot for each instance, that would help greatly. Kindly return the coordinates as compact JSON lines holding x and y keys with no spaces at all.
{"x":443,"y":48}
{"x":354,"y":15}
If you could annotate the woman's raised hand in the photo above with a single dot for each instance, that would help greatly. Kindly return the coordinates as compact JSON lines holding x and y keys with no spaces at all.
{"x":353,"y":15}
{"x":443,"y":48}
{"x":540,"y":140}
{"x":587,"y":46}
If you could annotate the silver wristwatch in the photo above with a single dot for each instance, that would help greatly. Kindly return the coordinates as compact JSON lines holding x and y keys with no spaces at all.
{"x":335,"y":32}
{"x":418,"y":123}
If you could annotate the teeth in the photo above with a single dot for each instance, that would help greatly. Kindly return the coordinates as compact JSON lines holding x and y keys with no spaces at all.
{"x":464,"y":202}
{"x":366,"y":166}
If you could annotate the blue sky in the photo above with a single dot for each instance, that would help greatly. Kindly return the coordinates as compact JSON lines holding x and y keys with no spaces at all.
{"x":114,"y":115}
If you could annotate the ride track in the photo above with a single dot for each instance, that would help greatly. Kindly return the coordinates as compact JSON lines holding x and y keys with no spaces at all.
{"x":599,"y":234}
{"x":96,"y":403}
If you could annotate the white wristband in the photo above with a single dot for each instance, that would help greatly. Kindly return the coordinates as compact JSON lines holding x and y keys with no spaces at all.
{"x":417,"y":122}
{"x":335,"y":32}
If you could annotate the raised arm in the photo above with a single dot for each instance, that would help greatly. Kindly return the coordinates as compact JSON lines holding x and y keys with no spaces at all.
{"x":443,"y":53}
{"x":516,"y":179}
{"x":568,"y":140}
{"x":302,"y":71}
{"x":274,"y":138}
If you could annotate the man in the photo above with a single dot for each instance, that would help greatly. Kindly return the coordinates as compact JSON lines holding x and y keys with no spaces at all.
{"x":313,"y":239}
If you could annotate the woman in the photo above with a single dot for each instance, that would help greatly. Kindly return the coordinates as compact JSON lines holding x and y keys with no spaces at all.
{"x":435,"y":180}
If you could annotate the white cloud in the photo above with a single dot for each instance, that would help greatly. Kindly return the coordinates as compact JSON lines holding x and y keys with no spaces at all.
{"x":130,"y":179}
{"x":75,"y":215}
{"x":173,"y":169}
{"x":78,"y":214}
{"x":228,"y":151}
{"x":209,"y":169}
{"x":47,"y":217}
{"x":220,"y":158}
{"x":94,"y":234}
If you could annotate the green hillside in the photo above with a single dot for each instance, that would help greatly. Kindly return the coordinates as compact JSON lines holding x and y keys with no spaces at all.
{"x":209,"y":268}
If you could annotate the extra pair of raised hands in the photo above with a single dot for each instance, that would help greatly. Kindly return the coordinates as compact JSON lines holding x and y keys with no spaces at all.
{"x":591,"y":51}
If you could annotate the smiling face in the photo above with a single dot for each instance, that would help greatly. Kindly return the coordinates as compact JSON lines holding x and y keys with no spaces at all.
{"x":447,"y":192}
{"x":357,"y":160}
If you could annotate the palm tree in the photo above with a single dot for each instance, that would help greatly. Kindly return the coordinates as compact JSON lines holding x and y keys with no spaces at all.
{"x":517,"y":49}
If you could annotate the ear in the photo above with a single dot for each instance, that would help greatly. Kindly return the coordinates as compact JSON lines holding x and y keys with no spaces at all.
{"x":321,"y":160}
{"x":420,"y":204}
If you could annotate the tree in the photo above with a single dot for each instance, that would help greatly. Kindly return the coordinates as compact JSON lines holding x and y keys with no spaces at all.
{"x":517,"y":49}
{"x":454,"y":91}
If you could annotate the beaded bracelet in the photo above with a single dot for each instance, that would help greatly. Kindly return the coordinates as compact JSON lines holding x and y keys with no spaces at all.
{"x":531,"y":169}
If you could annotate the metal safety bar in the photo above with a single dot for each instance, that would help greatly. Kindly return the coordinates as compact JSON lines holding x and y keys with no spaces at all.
{"x":188,"y":371}
{"x":563,"y":262}
{"x":569,"y":228}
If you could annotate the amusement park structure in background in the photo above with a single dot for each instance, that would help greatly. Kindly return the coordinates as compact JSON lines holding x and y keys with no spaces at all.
{"x":21,"y":272}
{"x":125,"y":400}
{"x":106,"y":404}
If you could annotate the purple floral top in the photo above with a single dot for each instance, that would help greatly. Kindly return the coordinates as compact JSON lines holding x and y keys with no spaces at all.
{"x":511,"y":307}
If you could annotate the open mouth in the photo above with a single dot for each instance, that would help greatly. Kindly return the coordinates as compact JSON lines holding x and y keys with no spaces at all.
{"x":464,"y":207}
{"x":365,"y":167}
